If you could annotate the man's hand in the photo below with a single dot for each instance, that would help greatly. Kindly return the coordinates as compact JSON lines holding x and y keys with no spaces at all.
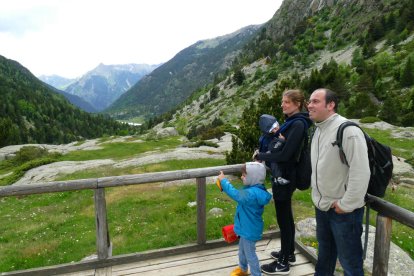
{"x":337,"y":209}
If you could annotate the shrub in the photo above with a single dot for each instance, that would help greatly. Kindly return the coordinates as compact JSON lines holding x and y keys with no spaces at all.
{"x":28,"y":153}
{"x":202,"y":143}
{"x":369,"y":119}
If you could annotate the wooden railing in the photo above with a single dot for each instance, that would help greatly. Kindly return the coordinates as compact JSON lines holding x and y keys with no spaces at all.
{"x":386,"y":212}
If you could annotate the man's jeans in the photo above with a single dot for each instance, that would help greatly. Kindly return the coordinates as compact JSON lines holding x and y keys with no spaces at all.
{"x":339,"y":235}
{"x":248,"y":256}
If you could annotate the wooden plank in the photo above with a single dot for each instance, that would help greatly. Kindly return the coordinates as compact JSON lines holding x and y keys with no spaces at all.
{"x":202,"y":262}
{"x":214,"y":265}
{"x":299,"y":270}
{"x":90,"y":272}
{"x":112,"y":181}
{"x":185,"y":258}
{"x":201,"y":211}
{"x":309,"y":254}
{"x":212,"y":261}
{"x":106,"y":271}
{"x":273,"y":245}
{"x":48,"y":187}
{"x":382,"y":245}
{"x":102,"y":234}
{"x":225,"y":251}
{"x":166,"y":176}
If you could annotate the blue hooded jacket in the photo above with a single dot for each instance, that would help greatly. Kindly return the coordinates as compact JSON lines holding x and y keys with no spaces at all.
{"x":248,"y":220}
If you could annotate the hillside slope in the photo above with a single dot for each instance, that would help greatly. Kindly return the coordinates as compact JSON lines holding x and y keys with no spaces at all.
{"x":32,"y":112}
{"x":363,"y":50}
{"x":171,"y":84}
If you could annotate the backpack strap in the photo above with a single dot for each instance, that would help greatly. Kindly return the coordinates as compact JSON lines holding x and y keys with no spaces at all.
{"x":339,"y":137}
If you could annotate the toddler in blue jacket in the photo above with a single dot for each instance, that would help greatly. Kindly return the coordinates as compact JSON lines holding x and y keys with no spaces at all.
{"x":248,"y":220}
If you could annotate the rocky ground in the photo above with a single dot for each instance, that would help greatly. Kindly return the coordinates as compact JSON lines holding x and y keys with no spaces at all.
{"x":49,"y":172}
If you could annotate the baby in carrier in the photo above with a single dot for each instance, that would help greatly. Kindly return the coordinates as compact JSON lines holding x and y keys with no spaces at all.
{"x":270,"y":142}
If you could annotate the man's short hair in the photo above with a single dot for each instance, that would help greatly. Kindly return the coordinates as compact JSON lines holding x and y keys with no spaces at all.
{"x":331,"y":96}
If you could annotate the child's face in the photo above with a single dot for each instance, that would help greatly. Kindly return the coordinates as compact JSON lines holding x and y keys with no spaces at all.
{"x":275,"y":129}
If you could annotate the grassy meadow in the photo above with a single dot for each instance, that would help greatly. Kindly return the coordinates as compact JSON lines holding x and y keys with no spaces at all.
{"x":57,"y":228}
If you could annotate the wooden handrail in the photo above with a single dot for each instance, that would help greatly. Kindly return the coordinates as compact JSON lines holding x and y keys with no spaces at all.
{"x":390,"y":210}
{"x":114,"y":181}
{"x":386,"y":213}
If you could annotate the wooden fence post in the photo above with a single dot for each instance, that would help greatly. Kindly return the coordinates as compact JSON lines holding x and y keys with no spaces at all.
{"x":201,"y":210}
{"x":382,"y":245}
{"x":102,"y":233}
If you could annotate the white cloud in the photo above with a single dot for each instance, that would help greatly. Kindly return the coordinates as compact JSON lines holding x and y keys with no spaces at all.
{"x":71,"y":37}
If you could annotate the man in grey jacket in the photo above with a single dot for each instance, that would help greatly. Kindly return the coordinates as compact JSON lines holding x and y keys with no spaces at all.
{"x":338,"y":191}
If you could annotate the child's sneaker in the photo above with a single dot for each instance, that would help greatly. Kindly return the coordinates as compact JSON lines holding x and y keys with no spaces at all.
{"x":276,"y":255}
{"x":238,"y":272}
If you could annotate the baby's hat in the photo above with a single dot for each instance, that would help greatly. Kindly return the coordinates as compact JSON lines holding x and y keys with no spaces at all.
{"x":256,"y":173}
{"x":266,"y":123}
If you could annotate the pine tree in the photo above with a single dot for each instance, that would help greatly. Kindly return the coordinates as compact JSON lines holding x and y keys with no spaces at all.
{"x":407,"y":75}
{"x":239,"y":77}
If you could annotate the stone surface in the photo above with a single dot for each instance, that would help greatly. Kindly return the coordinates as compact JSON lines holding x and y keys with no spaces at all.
{"x":49,"y":172}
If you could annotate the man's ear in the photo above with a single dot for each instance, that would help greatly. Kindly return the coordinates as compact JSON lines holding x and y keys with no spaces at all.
{"x":331,"y":106}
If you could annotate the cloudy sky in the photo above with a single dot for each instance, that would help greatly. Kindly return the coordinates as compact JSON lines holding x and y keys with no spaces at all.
{"x":71,"y":37}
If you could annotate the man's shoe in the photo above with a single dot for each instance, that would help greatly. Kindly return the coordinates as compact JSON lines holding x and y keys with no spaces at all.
{"x":238,"y":272}
{"x":276,"y":255}
{"x":276,"y":268}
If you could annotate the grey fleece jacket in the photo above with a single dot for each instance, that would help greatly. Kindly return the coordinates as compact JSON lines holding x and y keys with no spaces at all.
{"x":331,"y":179}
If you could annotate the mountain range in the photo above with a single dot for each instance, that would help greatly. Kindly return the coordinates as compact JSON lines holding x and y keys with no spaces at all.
{"x":56,"y":81}
{"x":103,"y":85}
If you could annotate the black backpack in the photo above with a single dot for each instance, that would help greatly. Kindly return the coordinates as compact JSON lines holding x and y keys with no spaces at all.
{"x":303,"y":159}
{"x":303,"y":167}
{"x":380,"y":161}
